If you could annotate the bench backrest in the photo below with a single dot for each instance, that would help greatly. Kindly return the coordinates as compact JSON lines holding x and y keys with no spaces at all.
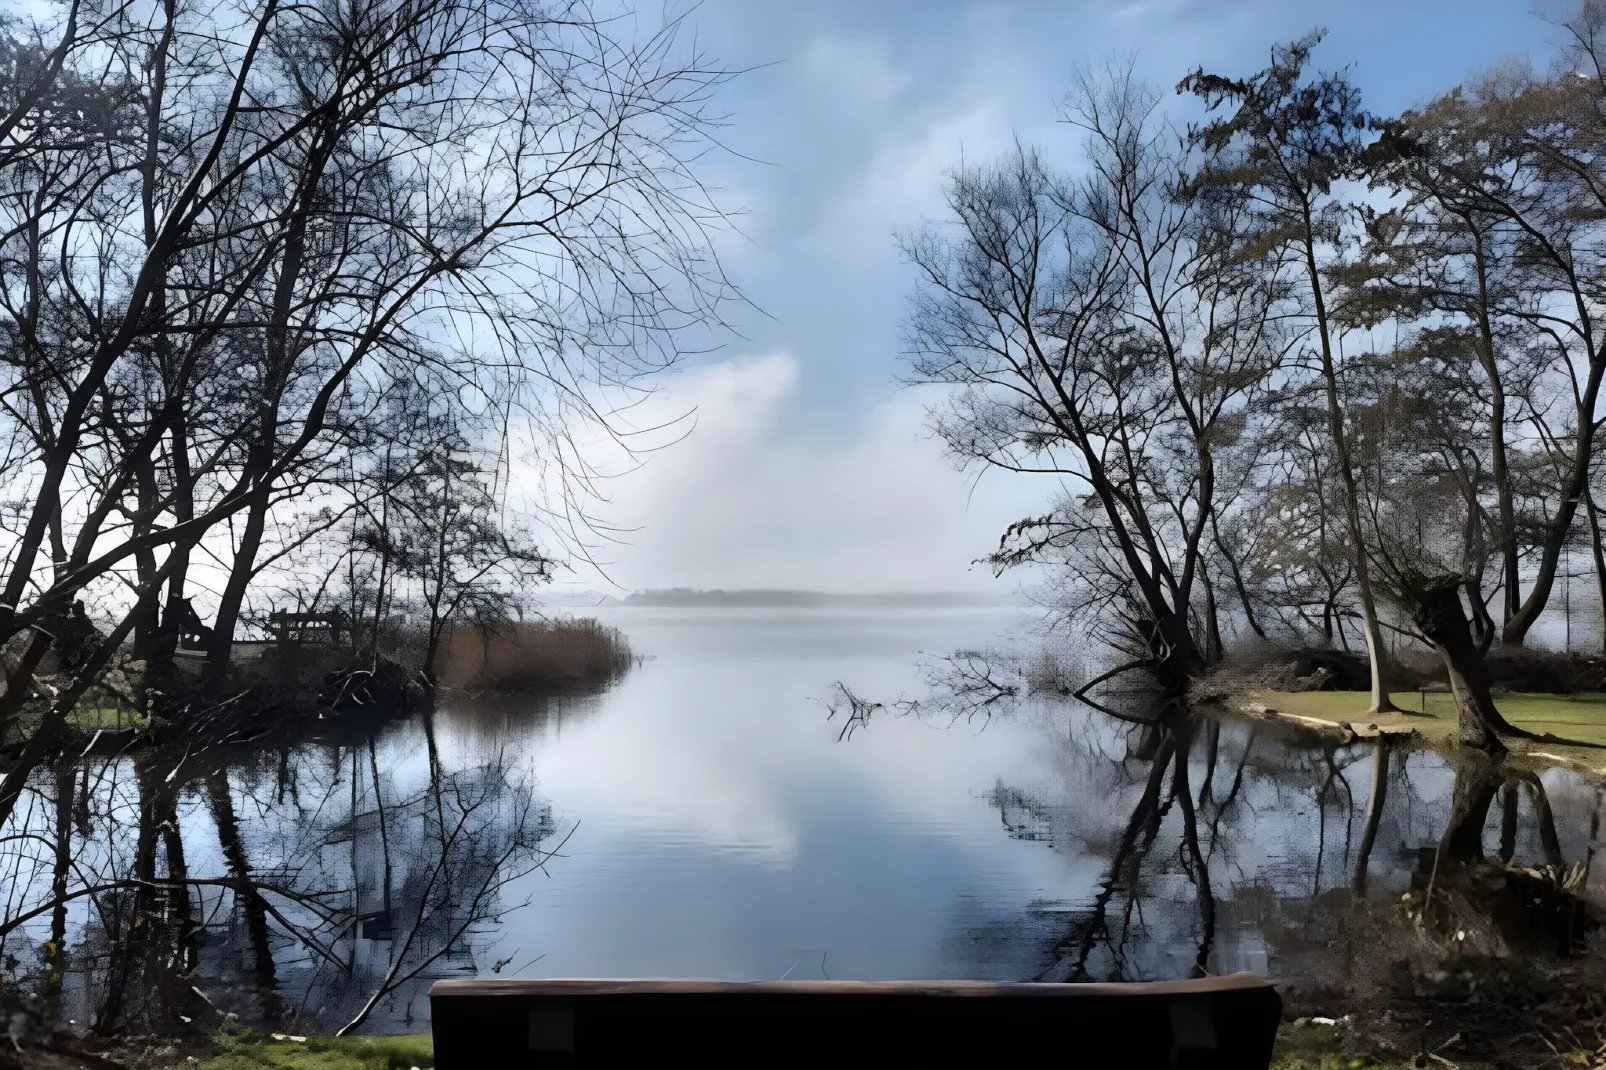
{"x":1217,"y":1022}
{"x":308,"y":628}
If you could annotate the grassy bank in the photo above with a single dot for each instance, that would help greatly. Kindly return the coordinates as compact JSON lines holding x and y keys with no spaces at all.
{"x":252,"y":1051}
{"x":1303,"y":1044}
{"x":1579,"y":717}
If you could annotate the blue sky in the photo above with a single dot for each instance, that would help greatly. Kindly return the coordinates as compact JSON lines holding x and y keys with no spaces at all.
{"x":808,"y":466}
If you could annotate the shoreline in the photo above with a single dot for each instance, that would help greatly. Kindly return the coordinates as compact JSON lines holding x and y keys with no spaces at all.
{"x":1431,"y":729}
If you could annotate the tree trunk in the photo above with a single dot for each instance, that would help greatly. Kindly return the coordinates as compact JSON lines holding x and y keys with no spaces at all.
{"x":1599,"y":555}
{"x":252,"y":908}
{"x":173,"y":614}
{"x":1437,"y":612}
{"x":1374,"y":810}
{"x":1511,"y":595}
{"x":245,"y":556}
{"x":43,"y":739}
{"x":147,"y":630}
{"x":1150,"y":738}
{"x":1544,"y":819}
{"x":1477,"y":777}
{"x":140,"y":948}
{"x":1371,"y":630}
{"x":279,"y":358}
{"x":1213,"y":644}
{"x":147,"y":620}
{"x":1212,"y":752}
{"x":1508,"y":823}
{"x":56,"y":953}
{"x":1575,"y":490}
{"x":1237,"y":582}
{"x":1176,"y":656}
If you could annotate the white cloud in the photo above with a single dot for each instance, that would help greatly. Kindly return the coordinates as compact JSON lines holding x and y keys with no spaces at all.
{"x":1148,"y":10}
{"x":748,"y":499}
{"x":850,"y":74}
{"x":903,"y":182}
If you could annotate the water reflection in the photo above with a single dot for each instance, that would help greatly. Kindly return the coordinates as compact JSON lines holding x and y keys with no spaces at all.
{"x":712,"y":824}
{"x":325,"y":880}
{"x":1226,"y":846}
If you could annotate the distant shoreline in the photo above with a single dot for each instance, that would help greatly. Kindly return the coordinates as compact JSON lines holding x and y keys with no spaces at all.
{"x":687,"y":598}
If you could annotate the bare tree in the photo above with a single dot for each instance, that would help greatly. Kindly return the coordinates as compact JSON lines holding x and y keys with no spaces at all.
{"x":495,"y":198}
{"x":451,"y":541}
{"x":1090,"y":328}
{"x":1501,"y":229}
{"x":1283,"y":143}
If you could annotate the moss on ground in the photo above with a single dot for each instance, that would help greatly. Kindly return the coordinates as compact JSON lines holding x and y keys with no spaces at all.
{"x":1306,"y":1045}
{"x":1331,"y":1061}
{"x":252,"y":1052}
{"x":1579,"y":717}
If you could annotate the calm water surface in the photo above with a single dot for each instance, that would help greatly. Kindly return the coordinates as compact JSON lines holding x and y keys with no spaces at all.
{"x":713,"y":824}
{"x":725,"y":832}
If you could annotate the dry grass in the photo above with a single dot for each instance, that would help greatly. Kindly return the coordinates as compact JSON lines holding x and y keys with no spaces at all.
{"x":545,"y":654}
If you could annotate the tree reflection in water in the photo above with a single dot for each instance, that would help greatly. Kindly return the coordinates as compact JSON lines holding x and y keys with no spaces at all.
{"x":1339,"y":870}
{"x":328,"y":880}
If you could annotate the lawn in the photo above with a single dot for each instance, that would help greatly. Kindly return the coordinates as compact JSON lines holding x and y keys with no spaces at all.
{"x":90,"y":717}
{"x":1579,"y":717}
{"x":321,"y":1053}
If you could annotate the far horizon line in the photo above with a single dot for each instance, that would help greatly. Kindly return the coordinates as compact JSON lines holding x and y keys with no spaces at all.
{"x":812,"y":592}
{"x":621,"y":591}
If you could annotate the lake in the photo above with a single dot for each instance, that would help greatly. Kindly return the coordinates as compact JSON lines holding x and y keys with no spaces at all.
{"x":706,"y":818}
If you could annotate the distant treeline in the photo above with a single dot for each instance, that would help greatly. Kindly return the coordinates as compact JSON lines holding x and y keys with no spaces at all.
{"x":684,"y":596}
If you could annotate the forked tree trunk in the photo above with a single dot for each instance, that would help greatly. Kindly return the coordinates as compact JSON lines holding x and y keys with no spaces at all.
{"x":1437,"y":612}
{"x":1544,"y":819}
{"x":1477,"y":777}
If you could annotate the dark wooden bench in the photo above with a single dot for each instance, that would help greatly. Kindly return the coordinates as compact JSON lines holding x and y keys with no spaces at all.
{"x":1432,"y":689}
{"x":1216,"y":1023}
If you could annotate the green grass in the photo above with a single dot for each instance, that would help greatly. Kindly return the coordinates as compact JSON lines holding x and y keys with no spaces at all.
{"x":321,"y":1053}
{"x":89,"y":717}
{"x":1580,"y":717}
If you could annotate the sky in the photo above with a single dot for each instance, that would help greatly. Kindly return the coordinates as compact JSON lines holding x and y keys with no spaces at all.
{"x":806,"y":464}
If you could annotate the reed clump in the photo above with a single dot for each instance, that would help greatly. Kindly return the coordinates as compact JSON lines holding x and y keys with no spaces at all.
{"x":540,"y":655}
